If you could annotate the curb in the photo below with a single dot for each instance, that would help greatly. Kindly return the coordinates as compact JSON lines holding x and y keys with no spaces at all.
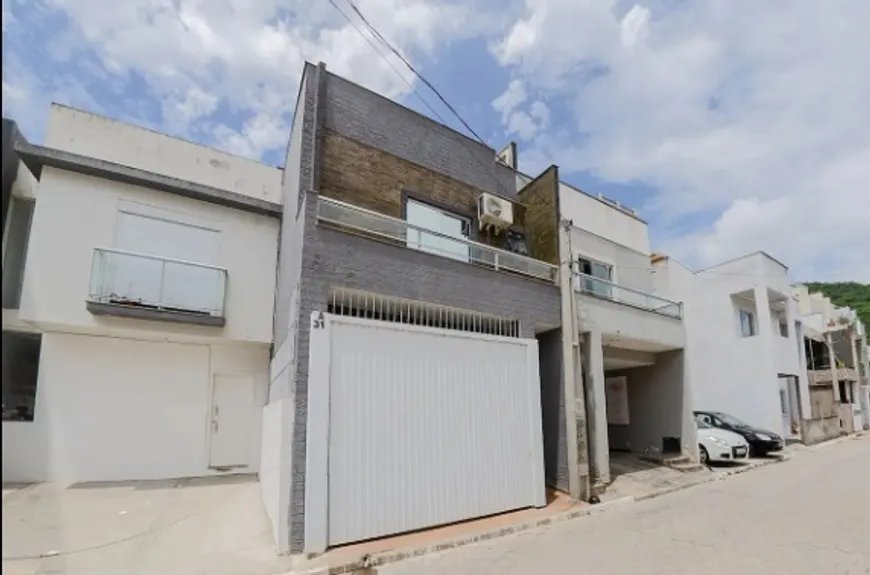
{"x":367,"y":563}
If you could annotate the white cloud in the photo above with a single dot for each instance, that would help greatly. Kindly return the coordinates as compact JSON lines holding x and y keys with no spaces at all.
{"x":247,"y":55}
{"x":524,"y":124}
{"x":513,"y":96}
{"x":755,"y":112}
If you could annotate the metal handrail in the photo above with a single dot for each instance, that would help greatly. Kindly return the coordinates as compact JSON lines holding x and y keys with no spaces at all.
{"x":550,"y":270}
{"x":160,"y":258}
{"x":665,"y":302}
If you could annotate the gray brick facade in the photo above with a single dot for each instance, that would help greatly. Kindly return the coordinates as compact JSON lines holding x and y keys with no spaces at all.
{"x":376,"y":121}
{"x":332,"y":258}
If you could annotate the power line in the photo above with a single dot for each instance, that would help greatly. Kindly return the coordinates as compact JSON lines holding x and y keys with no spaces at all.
{"x":389,"y":46}
{"x":376,"y":34}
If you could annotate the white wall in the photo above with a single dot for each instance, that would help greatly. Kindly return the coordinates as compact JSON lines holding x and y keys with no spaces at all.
{"x":731,"y":373}
{"x":599,"y":218}
{"x":77,"y":213}
{"x":275,"y":477}
{"x":99,"y":137}
{"x":111,"y":409}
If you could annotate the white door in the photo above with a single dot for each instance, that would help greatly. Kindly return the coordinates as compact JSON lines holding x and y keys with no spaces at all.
{"x":232,"y":403}
{"x":421,"y":427}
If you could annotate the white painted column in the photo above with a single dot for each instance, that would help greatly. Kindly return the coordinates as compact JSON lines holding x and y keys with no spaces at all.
{"x":769,"y":395}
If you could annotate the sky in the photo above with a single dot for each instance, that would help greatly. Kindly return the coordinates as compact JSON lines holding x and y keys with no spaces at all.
{"x":731,"y":125}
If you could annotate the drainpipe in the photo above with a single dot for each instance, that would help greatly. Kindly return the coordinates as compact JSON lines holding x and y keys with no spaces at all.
{"x":572,"y":374}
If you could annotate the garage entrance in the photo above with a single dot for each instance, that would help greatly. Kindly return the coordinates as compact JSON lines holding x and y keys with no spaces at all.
{"x":413,"y":426}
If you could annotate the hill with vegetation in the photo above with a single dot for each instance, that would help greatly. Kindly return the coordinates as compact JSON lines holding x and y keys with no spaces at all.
{"x":843,"y":294}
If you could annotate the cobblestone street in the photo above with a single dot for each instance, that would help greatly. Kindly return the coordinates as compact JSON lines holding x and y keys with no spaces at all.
{"x":809,"y":515}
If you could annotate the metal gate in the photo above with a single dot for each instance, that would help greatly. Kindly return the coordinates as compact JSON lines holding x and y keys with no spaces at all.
{"x":411,"y":427}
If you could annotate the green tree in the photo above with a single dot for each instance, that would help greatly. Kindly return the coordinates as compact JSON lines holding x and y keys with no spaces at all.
{"x":847,"y":294}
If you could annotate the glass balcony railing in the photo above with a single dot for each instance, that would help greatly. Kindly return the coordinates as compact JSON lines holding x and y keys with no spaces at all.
{"x":155,"y":283}
{"x":614,"y":292}
{"x":401,"y":232}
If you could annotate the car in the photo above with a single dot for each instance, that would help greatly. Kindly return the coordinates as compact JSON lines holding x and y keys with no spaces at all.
{"x":718,"y":445}
{"x":761,"y":441}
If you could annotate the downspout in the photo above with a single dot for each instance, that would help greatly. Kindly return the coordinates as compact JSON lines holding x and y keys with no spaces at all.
{"x":572,"y":375}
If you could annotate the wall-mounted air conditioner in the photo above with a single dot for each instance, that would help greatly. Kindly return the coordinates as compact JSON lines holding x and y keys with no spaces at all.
{"x":494,"y":212}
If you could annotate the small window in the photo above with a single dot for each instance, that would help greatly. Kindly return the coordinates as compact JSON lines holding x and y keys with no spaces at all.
{"x":747,"y":323}
{"x":20,"y":370}
{"x":599,"y":271}
{"x":783,"y":328}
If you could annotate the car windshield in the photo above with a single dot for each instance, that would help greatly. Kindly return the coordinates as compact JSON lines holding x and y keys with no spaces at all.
{"x":702,"y":424}
{"x":732,"y":421}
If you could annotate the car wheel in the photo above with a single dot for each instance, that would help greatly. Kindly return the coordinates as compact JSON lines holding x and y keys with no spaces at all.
{"x":703,"y":456}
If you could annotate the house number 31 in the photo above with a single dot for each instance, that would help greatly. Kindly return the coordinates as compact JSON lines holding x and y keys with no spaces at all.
{"x":318,"y":321}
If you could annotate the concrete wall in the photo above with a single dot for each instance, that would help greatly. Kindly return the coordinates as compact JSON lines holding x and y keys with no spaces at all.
{"x":274,"y":475}
{"x":817,"y":430}
{"x":626,"y":321}
{"x":603,"y":220}
{"x":656,"y":404}
{"x":99,"y":137}
{"x":553,"y":409}
{"x":112,"y":409}
{"x":631,"y":268}
{"x":76,"y":214}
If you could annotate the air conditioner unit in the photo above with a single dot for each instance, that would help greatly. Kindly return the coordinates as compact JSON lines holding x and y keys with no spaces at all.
{"x":494,"y":212}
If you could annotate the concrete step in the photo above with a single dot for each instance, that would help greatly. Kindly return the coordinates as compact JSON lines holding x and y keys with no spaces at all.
{"x":687,"y":467}
{"x":669,"y":459}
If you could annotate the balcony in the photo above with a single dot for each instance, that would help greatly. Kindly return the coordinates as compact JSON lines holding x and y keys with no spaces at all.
{"x":127,"y":284}
{"x":392,"y":230}
{"x":610,"y":291}
{"x":820,"y":376}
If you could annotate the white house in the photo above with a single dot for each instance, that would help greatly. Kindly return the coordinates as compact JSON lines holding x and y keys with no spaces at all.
{"x":744,"y":348}
{"x":145,"y":308}
{"x":631,"y":341}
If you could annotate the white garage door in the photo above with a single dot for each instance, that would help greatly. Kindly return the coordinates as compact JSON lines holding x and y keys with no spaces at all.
{"x":412,"y":427}
{"x":119,"y":409}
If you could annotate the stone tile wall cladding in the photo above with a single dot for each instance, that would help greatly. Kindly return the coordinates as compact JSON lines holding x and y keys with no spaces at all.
{"x":378,"y":181}
{"x":361,"y":148}
{"x":541,"y":196}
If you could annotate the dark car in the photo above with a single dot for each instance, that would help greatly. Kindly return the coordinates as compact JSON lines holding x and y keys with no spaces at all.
{"x":761,"y":442}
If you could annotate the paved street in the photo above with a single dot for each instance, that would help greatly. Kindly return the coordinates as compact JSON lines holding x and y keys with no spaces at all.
{"x":810,"y":515}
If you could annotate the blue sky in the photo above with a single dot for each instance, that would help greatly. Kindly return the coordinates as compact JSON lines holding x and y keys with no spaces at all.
{"x":731,"y":125}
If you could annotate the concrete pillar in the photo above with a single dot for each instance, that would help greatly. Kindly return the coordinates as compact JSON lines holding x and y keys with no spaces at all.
{"x":597,"y":406}
{"x":833,"y":358}
{"x":575,"y":413}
